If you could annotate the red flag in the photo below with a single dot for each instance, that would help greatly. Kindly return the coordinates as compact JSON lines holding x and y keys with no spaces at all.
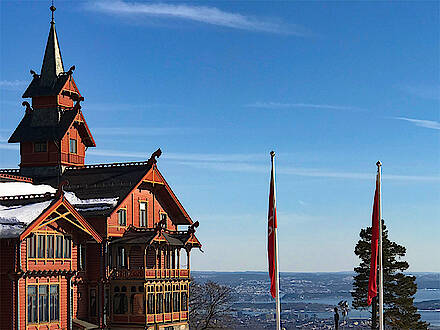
{"x":272,"y":224}
{"x":372,"y":281}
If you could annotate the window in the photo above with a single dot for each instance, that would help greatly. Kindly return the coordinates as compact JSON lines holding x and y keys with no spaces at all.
{"x":150,"y":303}
{"x":176,"y":302}
{"x":142,"y":214}
{"x":122,"y":257}
{"x":50,"y":246}
{"x":159,"y":303}
{"x":167,"y":302}
{"x":32,"y":304}
{"x":122,"y":217}
{"x":136,"y":302}
{"x":32,"y":246}
{"x":120,"y":305}
{"x":40,"y":146}
{"x":184,"y":301}
{"x":73,"y":148}
{"x":81,"y":257}
{"x":59,"y":247}
{"x":54,"y":303}
{"x":67,"y":247}
{"x":163,"y":218}
{"x":92,"y":303}
{"x":43,"y":304}
{"x":41,"y":246}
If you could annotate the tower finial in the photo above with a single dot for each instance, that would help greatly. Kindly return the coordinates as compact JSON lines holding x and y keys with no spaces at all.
{"x":52,"y":9}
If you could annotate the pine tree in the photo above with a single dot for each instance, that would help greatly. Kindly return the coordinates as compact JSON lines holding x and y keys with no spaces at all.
{"x":398,"y":288}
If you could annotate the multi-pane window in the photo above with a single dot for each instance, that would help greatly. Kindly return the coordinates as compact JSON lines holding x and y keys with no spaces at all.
{"x":163,"y":217}
{"x":40,"y":146}
{"x":43,"y":303}
{"x":122,"y":217}
{"x":142,"y":214}
{"x":49,"y":246}
{"x":73,"y":147}
{"x":120,"y":302}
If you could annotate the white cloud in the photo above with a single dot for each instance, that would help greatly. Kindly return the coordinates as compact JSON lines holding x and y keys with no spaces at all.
{"x":278,"y":105}
{"x":201,"y":14}
{"x":12,"y":85}
{"x":421,"y":122}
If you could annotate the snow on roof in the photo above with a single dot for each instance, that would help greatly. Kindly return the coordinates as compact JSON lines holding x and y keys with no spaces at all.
{"x":14,"y":219}
{"x":23,"y":188}
{"x":87,"y":205}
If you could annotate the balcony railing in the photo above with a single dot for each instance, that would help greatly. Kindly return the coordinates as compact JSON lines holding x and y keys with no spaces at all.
{"x":125,"y":274}
{"x":166,"y":273}
{"x":167,"y":317}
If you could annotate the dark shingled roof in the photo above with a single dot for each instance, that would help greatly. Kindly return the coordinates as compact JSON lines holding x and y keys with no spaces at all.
{"x":102,"y":181}
{"x":137,"y":236}
{"x":36,"y":89}
{"x":25,"y":132}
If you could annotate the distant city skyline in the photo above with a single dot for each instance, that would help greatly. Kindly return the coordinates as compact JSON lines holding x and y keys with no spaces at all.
{"x":332,"y":87}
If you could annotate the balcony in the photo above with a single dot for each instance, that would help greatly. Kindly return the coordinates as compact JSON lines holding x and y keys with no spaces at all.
{"x":141,"y":274}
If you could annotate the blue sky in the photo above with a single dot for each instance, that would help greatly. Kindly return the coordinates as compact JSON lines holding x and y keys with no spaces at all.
{"x":332,"y":87}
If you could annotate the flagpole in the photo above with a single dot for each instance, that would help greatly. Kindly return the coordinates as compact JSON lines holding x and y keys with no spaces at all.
{"x":379,"y":170}
{"x":277,"y":274}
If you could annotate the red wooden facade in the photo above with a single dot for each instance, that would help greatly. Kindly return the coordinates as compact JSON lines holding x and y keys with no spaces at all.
{"x":108,"y":249}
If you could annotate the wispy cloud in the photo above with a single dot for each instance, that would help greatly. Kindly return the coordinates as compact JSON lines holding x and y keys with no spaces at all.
{"x":278,"y":105}
{"x":306,"y":172}
{"x":422,"y":123}
{"x":201,"y":14}
{"x":424,"y":91}
{"x":12,"y":85}
{"x":255,"y":163}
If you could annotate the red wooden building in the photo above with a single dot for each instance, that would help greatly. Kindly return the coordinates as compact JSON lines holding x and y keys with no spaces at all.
{"x":86,"y":246}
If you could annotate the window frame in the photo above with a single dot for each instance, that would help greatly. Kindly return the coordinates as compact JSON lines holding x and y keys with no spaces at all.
{"x":73,"y":142}
{"x":143,"y":221}
{"x":40,"y":146}
{"x":40,"y":304}
{"x":122,"y":220}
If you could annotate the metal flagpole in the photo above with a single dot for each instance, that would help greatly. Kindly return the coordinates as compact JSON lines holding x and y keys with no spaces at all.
{"x":379,"y":169}
{"x":277,"y":274}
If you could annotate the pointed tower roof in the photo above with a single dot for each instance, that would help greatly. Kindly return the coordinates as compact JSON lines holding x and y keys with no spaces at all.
{"x":52,"y":62}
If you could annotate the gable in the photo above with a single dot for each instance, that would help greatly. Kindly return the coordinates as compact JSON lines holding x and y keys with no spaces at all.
{"x":154,"y":180}
{"x":62,"y":212}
